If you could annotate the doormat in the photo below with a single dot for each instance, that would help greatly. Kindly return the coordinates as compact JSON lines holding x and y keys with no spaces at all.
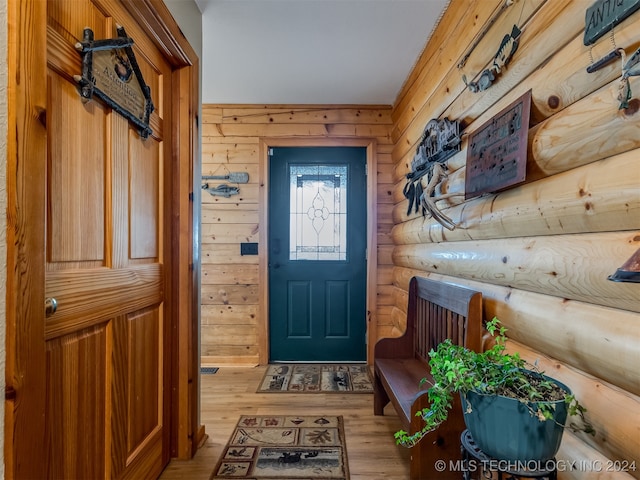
{"x":285,"y":448}
{"x":316,"y":378}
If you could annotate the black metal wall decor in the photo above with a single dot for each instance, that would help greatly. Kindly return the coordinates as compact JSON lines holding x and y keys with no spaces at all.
{"x":497,"y":151}
{"x":440,"y":141}
{"x":225,"y":190}
{"x":110,"y":71}
{"x":603,"y":15}
{"x":501,"y":59}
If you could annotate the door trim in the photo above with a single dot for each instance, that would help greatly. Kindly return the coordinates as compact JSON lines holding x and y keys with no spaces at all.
{"x":263,"y":237}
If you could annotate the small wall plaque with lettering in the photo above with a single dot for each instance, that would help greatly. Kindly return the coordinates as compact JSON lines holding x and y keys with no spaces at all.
{"x":603,"y":15}
{"x":110,"y":71}
{"x":497,"y":151}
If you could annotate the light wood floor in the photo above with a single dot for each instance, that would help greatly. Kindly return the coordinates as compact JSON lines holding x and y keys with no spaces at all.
{"x":371,"y":449}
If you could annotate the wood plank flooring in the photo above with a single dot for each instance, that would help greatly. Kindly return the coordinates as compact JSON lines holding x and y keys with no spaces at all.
{"x":371,"y":449}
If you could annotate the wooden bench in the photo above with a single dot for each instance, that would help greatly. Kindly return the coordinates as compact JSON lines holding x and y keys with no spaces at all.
{"x":436,"y":311}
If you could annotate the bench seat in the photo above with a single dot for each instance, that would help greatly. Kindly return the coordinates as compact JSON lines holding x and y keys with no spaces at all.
{"x":401,"y":377}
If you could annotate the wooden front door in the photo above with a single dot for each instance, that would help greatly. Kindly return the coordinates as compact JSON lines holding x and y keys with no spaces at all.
{"x":93,"y":393}
{"x":317,"y":254}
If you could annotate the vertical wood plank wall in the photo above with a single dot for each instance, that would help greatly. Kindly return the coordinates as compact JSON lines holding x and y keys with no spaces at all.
{"x":540,"y":252}
{"x":231,"y":288}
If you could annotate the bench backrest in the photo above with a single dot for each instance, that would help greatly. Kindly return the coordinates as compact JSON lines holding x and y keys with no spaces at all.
{"x":439,"y":310}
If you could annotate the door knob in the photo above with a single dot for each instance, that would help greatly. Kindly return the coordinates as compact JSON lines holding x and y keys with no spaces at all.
{"x":50,"y":306}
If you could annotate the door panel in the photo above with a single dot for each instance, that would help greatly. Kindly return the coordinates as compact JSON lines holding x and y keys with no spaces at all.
{"x":337,"y":302}
{"x":299,"y":311}
{"x":76,"y":409}
{"x":143,"y":388}
{"x":144,"y":165}
{"x":76,"y":178}
{"x":317,"y":254}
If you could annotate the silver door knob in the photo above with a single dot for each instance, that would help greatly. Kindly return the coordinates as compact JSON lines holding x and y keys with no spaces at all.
{"x":50,"y":306}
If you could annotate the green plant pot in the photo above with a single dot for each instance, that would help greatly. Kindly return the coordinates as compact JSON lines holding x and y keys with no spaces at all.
{"x":504,"y":428}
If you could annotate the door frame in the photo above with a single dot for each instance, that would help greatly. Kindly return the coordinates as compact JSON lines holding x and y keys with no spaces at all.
{"x":24,"y":432}
{"x":263,"y":235}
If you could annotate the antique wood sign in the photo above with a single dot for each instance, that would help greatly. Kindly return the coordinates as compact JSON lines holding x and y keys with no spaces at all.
{"x":497,"y":152}
{"x":603,"y":15}
{"x":111,"y":73}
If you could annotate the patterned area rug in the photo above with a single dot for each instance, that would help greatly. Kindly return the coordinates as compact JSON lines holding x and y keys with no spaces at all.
{"x":316,"y":378}
{"x":285,"y":448}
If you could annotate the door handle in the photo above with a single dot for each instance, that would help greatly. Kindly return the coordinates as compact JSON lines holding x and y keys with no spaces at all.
{"x":50,"y":306}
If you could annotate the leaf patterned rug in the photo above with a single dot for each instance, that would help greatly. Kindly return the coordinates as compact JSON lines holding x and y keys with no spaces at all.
{"x":316,"y":378}
{"x":285,"y":448}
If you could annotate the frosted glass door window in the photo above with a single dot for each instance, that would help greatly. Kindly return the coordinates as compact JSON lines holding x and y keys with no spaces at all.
{"x":318,"y":212}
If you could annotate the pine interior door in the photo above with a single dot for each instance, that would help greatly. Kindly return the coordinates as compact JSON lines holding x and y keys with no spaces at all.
{"x":317,"y":254}
{"x":105,"y":346}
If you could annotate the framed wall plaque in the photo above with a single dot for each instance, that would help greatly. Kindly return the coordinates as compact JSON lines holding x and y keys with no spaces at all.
{"x":497,"y":151}
{"x":110,"y":72}
{"x":603,"y":15}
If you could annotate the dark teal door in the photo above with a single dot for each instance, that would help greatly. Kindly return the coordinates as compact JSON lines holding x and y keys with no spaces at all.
{"x":317,"y":254}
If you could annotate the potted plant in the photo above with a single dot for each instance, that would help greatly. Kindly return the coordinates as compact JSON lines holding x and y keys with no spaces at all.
{"x":512,"y":410}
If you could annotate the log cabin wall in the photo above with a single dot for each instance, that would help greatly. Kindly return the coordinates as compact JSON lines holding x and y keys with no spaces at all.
{"x":234,"y":327}
{"x":540,"y":252}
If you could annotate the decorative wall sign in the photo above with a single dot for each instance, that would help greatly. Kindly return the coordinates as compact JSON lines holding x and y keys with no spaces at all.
{"x":111,"y":73}
{"x":603,"y":15}
{"x":497,"y":151}
{"x":439,"y":142}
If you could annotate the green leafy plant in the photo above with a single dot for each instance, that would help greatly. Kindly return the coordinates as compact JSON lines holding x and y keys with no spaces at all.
{"x":458,"y":370}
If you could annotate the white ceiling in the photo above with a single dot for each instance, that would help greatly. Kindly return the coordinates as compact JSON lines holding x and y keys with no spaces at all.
{"x":311,"y":51}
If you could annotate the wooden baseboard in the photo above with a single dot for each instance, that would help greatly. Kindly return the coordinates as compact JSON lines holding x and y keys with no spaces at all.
{"x":224,"y":361}
{"x":201,"y":436}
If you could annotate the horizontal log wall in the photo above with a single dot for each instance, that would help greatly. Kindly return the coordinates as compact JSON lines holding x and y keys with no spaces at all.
{"x":540,"y":252}
{"x":233,"y":322}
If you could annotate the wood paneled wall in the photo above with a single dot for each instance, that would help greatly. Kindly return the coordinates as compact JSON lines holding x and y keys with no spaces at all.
{"x":540,"y":252}
{"x":234,"y":136}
